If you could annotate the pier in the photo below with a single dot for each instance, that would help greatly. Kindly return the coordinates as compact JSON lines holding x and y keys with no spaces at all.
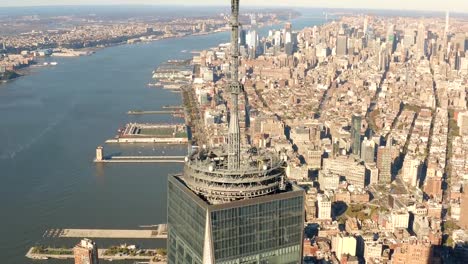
{"x":157,"y":112}
{"x":155,"y":233}
{"x":101,"y":252}
{"x":141,"y":159}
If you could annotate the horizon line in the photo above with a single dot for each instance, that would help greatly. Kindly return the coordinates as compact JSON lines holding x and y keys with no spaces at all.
{"x":227,"y":6}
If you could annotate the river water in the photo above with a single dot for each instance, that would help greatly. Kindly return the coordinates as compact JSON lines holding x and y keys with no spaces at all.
{"x":52,"y":120}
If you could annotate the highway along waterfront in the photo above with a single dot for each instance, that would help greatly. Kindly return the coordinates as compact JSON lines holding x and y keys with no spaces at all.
{"x":50,"y":124}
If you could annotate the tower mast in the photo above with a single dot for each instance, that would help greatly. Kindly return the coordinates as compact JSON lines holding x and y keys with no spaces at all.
{"x":235,"y":89}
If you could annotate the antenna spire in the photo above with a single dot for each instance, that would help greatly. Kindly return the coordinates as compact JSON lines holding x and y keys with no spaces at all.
{"x":235,"y":89}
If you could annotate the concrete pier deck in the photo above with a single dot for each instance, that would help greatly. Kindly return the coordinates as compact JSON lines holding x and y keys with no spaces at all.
{"x":155,"y":112}
{"x":111,"y":233}
{"x":142,"y":159}
{"x":101,"y":253}
{"x":107,"y":233}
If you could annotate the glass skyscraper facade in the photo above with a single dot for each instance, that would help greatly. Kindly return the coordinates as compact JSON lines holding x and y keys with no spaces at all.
{"x":267,"y":229}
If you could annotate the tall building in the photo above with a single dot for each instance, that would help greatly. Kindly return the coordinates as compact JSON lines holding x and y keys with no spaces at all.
{"x":463,"y":123}
{"x":384,"y":164}
{"x":390,"y":37}
{"x":86,"y":252}
{"x":411,"y":170}
{"x":232,"y":204}
{"x":447,"y":21}
{"x":368,"y":151}
{"x":356,"y":123}
{"x":366,"y":25}
{"x":421,"y":40}
{"x":409,"y":38}
{"x":323,"y":207}
{"x":342,"y":45}
{"x":252,"y":43}
{"x":460,"y":42}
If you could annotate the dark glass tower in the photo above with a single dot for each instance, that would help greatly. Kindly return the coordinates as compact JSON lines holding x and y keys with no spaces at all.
{"x":266,"y":229}
{"x":232,"y":204}
{"x":356,"y":121}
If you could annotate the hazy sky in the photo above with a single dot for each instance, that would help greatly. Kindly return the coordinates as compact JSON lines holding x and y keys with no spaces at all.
{"x":440,"y":5}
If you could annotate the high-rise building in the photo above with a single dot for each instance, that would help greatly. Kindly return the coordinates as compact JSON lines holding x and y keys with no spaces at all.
{"x":463,"y":123}
{"x":342,"y":45}
{"x":384,"y":164}
{"x":409,"y":38}
{"x":356,"y":123}
{"x":411,"y":170}
{"x":86,"y":252}
{"x":368,"y":151}
{"x":252,"y":43}
{"x":323,"y":207}
{"x":460,"y":42}
{"x":447,"y":21}
{"x":366,"y":25}
{"x":421,"y":40}
{"x":390,"y":37}
{"x":242,"y":37}
{"x":233,"y":204}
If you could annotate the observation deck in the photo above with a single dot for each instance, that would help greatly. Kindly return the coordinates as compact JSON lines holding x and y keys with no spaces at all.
{"x":261,"y":172}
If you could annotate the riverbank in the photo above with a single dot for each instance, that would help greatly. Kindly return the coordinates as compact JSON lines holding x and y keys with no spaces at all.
{"x":90,"y":50}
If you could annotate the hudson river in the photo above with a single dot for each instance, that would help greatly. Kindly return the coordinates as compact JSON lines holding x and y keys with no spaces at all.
{"x":52,"y":120}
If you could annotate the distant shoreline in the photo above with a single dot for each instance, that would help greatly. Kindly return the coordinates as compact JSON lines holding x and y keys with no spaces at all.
{"x":26,"y":70}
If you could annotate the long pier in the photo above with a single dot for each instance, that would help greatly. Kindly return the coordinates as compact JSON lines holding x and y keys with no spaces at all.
{"x":101,"y":253}
{"x":160,"y":232}
{"x":142,"y":159}
{"x":158,"y":112}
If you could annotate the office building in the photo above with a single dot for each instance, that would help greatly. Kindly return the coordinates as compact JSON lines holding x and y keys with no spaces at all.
{"x":384,"y":164}
{"x":421,"y":40}
{"x":233,"y":204}
{"x":86,"y":252}
{"x":447,"y":21}
{"x":411,"y":170}
{"x":351,"y":170}
{"x":342,"y":45}
{"x":323,"y":207}
{"x":368,"y":151}
{"x":356,"y":123}
{"x":462,"y":123}
{"x":409,"y":38}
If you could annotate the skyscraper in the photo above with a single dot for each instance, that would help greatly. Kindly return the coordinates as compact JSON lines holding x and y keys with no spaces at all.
{"x":384,"y":164}
{"x":232,"y":204}
{"x":421,"y":40}
{"x":447,"y":21}
{"x":366,"y":24}
{"x":356,"y":121}
{"x":462,"y":122}
{"x":86,"y":252}
{"x":342,"y":45}
{"x":368,"y":151}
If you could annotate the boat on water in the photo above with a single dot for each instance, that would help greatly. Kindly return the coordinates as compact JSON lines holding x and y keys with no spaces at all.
{"x":45,"y":64}
{"x":54,"y":63}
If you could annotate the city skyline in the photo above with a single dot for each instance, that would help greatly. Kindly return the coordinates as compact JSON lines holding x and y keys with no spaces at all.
{"x":420,"y":5}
